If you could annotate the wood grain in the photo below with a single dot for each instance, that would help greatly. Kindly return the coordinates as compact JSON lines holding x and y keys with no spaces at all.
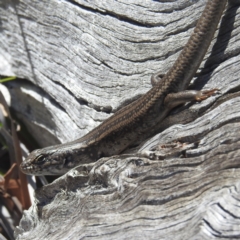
{"x":85,"y":59}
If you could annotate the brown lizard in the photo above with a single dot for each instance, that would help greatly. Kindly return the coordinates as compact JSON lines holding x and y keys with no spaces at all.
{"x":140,"y":118}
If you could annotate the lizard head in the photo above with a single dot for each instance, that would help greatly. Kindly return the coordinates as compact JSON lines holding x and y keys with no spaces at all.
{"x":58,"y":159}
{"x":47,"y":161}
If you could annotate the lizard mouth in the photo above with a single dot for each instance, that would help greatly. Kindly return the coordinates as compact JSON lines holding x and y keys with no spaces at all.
{"x":48,"y":168}
{"x":28,"y":168}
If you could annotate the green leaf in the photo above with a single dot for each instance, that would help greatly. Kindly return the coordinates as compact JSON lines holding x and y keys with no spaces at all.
{"x":7,"y":79}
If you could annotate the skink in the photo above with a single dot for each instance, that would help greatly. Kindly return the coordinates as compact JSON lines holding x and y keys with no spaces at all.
{"x":141,"y":118}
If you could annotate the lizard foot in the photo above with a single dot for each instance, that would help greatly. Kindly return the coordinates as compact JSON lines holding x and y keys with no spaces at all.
{"x":202,"y":95}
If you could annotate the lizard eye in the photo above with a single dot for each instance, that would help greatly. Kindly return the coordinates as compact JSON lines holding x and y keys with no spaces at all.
{"x":40,"y":159}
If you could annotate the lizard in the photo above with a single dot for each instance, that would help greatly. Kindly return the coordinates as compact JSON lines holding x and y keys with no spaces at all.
{"x":140,"y":118}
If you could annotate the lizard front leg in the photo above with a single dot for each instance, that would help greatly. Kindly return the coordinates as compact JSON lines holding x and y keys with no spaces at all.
{"x":174,"y":99}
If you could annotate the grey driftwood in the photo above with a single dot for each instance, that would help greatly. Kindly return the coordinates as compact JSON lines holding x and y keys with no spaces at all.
{"x":84,"y":60}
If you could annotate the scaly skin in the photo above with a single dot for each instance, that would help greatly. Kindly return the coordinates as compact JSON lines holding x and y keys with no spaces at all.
{"x":139,"y":119}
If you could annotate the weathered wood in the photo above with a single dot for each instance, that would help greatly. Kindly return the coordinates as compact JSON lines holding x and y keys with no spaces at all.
{"x":85,"y":59}
{"x":192,"y":196}
{"x":88,"y":60}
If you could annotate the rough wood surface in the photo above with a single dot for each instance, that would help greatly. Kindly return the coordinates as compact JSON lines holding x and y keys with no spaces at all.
{"x":84,"y":60}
